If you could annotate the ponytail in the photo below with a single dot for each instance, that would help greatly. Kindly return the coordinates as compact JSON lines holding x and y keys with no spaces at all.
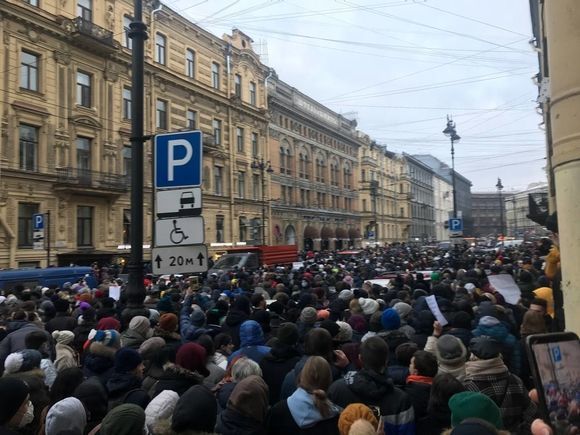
{"x":322,"y":403}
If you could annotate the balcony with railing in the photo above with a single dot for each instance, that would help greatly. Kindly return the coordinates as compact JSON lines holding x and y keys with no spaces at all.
{"x":90,"y":182}
{"x":86,"y":33}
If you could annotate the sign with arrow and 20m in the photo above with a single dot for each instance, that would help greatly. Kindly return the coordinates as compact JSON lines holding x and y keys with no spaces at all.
{"x":179,"y":259}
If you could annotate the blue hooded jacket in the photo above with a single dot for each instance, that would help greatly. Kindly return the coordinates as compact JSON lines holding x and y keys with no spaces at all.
{"x":251,"y":342}
{"x":493,"y":328}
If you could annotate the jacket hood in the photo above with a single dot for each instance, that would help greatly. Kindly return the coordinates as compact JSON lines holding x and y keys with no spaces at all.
{"x":368,"y":384}
{"x":251,"y":334}
{"x":498,"y":332}
{"x":303,"y":411}
{"x":231,"y":421}
{"x":67,"y":414}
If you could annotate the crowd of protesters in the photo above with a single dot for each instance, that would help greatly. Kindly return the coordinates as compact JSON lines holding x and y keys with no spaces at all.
{"x":318,"y":349}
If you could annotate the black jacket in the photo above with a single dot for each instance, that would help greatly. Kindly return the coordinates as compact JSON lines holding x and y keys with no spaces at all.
{"x":419,"y":394}
{"x":280,"y":422}
{"x":398,"y":374}
{"x":375,"y":389}
{"x":275,"y":366}
{"x":126,"y":388}
{"x":176,"y":378}
{"x":231,"y":422}
{"x":435,"y":422}
{"x":62,"y":322}
{"x":232,"y":325}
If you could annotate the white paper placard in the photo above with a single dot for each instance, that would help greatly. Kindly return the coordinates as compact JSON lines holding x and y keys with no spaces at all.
{"x":434,"y":307}
{"x":115,"y":292}
{"x":507,"y":287}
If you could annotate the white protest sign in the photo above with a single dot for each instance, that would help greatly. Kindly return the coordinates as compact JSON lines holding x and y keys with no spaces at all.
{"x":507,"y":287}
{"x":297,"y":265}
{"x":115,"y":292}
{"x":434,"y":307}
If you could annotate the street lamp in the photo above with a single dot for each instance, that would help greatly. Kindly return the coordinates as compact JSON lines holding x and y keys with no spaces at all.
{"x":499,"y":187}
{"x":263,"y":167}
{"x":451,"y":133}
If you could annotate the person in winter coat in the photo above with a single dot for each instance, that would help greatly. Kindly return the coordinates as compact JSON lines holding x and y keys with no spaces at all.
{"x":487,"y":373}
{"x":251,"y":342}
{"x":93,"y":396}
{"x":224,"y":346}
{"x":398,"y":368}
{"x":438,"y":416}
{"x":306,"y":321}
{"x":67,"y":415}
{"x":422,"y":370}
{"x":450,"y":352}
{"x":280,"y":360}
{"x":533,"y":323}
{"x":239,"y":313}
{"x":195,"y":412}
{"x":404,"y":310}
{"x":240,"y":369}
{"x":189,"y":370}
{"x":423,"y":324}
{"x":38,"y":340}
{"x":192,"y":321}
{"x":124,"y":385}
{"x":63,"y":321}
{"x":308,"y":410}
{"x":138,"y":331}
{"x":126,"y":419}
{"x":372,"y":387}
{"x":100,"y":354}
{"x":246,"y":410}
{"x":215,"y":372}
{"x":159,"y":411}
{"x":167,"y":330}
{"x":492,"y":327}
{"x":66,"y":356}
{"x":85,"y":323}
{"x":16,"y":409}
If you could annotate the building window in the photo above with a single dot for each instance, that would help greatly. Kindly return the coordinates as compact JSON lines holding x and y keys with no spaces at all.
{"x":127,"y":41}
{"x":319,"y":170}
{"x":126,"y":226}
{"x":215,"y":75}
{"x":190,"y":63}
{"x":243,"y":228}
{"x":83,"y":148}
{"x":25,"y":212}
{"x":364,"y":205}
{"x":255,"y":187}
{"x":85,"y":9}
{"x":29,"y":64}
{"x":127,"y":160}
{"x":191,"y":119}
{"x":255,"y":147}
{"x":161,"y":117}
{"x":127,"y":103}
{"x":218,"y":180}
{"x":238,"y":85}
{"x":84,"y":89}
{"x":160,"y":47}
{"x":217,"y":131}
{"x":402,"y":212}
{"x":252,"y":93}
{"x":303,"y":166}
{"x":347,"y":177}
{"x":219,"y":229}
{"x":84,"y":226}
{"x":32,"y":2}
{"x":241,"y":184}
{"x":240,"y":139}
{"x":28,"y":147}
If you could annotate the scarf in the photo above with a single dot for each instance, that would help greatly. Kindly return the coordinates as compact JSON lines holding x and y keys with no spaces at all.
{"x":420,"y":379}
{"x":485,"y":367}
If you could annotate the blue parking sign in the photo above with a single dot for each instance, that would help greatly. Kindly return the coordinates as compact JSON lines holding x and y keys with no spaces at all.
{"x":456,"y":224}
{"x":178,"y":159}
{"x":38,"y":221}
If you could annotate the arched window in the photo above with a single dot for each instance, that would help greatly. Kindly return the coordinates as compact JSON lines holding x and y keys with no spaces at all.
{"x":347,"y":176}
{"x":320,"y":169}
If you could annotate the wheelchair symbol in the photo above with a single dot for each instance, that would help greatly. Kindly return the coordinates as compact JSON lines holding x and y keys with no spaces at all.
{"x":177,"y":235}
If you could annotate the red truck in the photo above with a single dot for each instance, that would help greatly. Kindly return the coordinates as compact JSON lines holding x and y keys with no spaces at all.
{"x":254,"y":257}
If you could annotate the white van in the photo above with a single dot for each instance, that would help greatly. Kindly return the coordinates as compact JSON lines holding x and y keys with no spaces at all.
{"x":508,"y":244}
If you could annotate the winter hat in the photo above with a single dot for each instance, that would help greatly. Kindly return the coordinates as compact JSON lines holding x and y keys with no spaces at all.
{"x":160,"y":408}
{"x":61,"y":306}
{"x":196,"y":410}
{"x":484,"y":347}
{"x":346,"y":295}
{"x":63,"y":337}
{"x":168,"y":322}
{"x":469,"y":404}
{"x":198,"y":318}
{"x":288,"y":334}
{"x":323,"y":314}
{"x":126,"y":419}
{"x":153,"y":316}
{"x":369,"y":306}
{"x":109,"y":323}
{"x":358,"y":323}
{"x":390,"y":319}
{"x":450,"y":350}
{"x":126,"y":360}
{"x":474,"y":426}
{"x":403,"y":309}
{"x":332,"y":328}
{"x":22,"y":361}
{"x":141,"y":325}
{"x":533,"y":323}
{"x":352,"y":413}
{"x":109,"y":337}
{"x":345,"y":333}
{"x":192,"y":356}
{"x":13,"y":393}
{"x":362,"y":427}
{"x":165,"y":305}
{"x":308,"y":315}
{"x":93,"y":395}
{"x":150,"y":347}
{"x":250,"y":398}
{"x":66,"y":415}
{"x":470,"y":287}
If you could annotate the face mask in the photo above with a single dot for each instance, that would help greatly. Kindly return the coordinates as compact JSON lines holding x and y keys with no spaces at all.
{"x":28,"y":415}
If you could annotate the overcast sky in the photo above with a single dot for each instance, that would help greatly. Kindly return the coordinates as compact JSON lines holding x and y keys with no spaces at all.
{"x":401,"y":66}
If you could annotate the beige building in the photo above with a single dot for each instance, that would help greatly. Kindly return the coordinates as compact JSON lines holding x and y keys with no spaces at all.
{"x":384,"y":195}
{"x":66,"y":123}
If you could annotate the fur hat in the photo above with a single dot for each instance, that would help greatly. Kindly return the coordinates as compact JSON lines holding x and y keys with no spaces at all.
{"x":22,"y":361}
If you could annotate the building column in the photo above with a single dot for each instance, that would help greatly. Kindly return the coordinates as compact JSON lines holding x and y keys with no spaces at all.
{"x":562,"y":20}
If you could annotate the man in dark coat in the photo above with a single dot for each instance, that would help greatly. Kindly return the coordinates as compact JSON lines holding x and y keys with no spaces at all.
{"x":124,"y":386}
{"x":422,"y":370}
{"x":63,"y":321}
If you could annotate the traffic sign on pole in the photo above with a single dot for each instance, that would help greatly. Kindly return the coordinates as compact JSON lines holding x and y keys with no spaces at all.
{"x":176,"y":203}
{"x":38,"y":231}
{"x":178,"y":159}
{"x":179,"y":231}
{"x":183,"y":259}
{"x":456,"y":226}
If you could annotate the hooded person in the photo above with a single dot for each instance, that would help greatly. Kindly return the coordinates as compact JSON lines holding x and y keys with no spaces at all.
{"x":308,"y":410}
{"x":188,"y":370}
{"x":16,"y":409}
{"x":38,"y":340}
{"x":195,"y":412}
{"x":66,"y":356}
{"x":246,"y":409}
{"x":450,"y":352}
{"x":490,"y":326}
{"x":192,"y":320}
{"x":124,"y":385}
{"x":372,"y":387}
{"x":238,"y":314}
{"x":99,"y":354}
{"x":138,"y":331}
{"x":126,"y":419}
{"x":67,"y":415}
{"x":438,"y":416}
{"x":308,"y":317}
{"x":251,"y":342}
{"x":282,"y":358}
{"x":160,"y":409}
{"x":487,"y":373}
{"x":93,"y":396}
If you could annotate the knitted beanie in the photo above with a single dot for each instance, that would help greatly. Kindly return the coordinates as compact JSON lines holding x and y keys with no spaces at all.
{"x":469,"y":404}
{"x":308,"y":315}
{"x":127,"y":360}
{"x":22,"y":361}
{"x":63,"y":337}
{"x":390,"y":319}
{"x":345,"y":333}
{"x":369,"y":306}
{"x":109,"y":337}
{"x":150,"y":347}
{"x":109,"y":323}
{"x":403,"y":309}
{"x":168,"y":322}
{"x":352,"y":413}
{"x":141,"y":325}
{"x":346,"y":295}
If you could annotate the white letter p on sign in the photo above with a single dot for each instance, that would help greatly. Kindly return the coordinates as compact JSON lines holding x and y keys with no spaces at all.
{"x":171,"y":161}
